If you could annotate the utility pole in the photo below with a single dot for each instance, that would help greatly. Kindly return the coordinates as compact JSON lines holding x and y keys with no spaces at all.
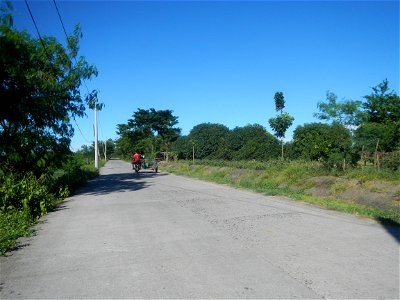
{"x":105,"y":150}
{"x":192,"y":149}
{"x":96,"y":157}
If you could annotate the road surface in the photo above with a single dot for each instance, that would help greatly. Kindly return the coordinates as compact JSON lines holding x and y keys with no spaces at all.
{"x":164,"y":236}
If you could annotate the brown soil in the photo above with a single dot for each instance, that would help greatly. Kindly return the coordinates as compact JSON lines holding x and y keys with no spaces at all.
{"x":380,"y":194}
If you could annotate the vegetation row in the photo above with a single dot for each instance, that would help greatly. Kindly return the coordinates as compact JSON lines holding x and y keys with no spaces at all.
{"x":40,"y":94}
{"x":353,"y":134}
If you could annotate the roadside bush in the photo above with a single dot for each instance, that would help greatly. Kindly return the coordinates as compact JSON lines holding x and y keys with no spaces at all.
{"x":24,"y":198}
{"x":72,"y":175}
{"x":25,"y":194}
{"x":13,"y":225}
{"x":391,"y":160}
{"x":317,"y":141}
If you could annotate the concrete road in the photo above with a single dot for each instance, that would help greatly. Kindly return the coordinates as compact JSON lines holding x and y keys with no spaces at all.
{"x":164,"y":236}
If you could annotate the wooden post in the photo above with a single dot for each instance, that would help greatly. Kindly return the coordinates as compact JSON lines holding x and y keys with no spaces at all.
{"x":363,"y":158}
{"x":376,"y":159}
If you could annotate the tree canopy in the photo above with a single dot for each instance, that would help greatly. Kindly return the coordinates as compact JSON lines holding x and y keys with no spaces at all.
{"x":40,"y":90}
{"x":354,"y":129}
{"x":375,"y":121}
{"x":148,"y":131}
{"x":321,"y":141}
{"x":210,"y":140}
{"x":348,"y":112}
{"x":283,"y":121}
{"x":216,"y":141}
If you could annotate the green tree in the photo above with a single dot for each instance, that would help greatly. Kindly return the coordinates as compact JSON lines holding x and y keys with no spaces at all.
{"x":282,"y":122}
{"x":348,"y":112}
{"x":279,"y":101}
{"x":371,"y":137}
{"x":210,"y":140}
{"x":253,"y":142}
{"x":382,"y":107}
{"x":40,"y":93}
{"x":318,"y":141}
{"x":183,"y":147}
{"x":147,"y":132}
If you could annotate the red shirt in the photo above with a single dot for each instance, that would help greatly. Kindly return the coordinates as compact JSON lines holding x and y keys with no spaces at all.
{"x":136,"y":157}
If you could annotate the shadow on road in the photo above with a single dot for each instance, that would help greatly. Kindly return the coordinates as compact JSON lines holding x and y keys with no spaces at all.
{"x":60,"y":206}
{"x":120,"y":182}
{"x":392,"y":229}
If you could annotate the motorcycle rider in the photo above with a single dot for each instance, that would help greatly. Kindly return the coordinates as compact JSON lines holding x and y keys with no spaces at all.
{"x":135,"y":159}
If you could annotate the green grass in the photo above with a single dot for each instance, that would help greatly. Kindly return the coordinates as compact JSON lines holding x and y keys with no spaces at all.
{"x":286,"y":179}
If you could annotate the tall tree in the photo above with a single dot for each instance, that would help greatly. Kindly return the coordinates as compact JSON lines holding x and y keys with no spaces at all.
{"x":382,"y":105}
{"x":210,"y":140}
{"x":382,"y":123}
{"x":253,"y":142}
{"x":347,"y":113}
{"x":279,"y":101}
{"x":282,"y":122}
{"x":318,"y":141}
{"x":148,"y":131}
{"x":40,"y":93}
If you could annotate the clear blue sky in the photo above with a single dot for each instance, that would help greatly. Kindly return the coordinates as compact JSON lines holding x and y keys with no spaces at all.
{"x":222,"y":62}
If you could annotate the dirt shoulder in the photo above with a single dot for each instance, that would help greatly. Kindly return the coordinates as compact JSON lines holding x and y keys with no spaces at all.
{"x":376,"y":193}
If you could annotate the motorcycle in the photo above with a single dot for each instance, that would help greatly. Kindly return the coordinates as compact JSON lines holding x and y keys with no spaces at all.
{"x":137,"y":166}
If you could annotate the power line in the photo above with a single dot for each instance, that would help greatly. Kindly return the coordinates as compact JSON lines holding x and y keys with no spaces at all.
{"x":47,"y":54}
{"x":62,"y":23}
{"x":84,"y":82}
{"x":66,"y":35}
{"x":87,"y":141}
{"x":101,"y":129}
{"x":37,"y":30}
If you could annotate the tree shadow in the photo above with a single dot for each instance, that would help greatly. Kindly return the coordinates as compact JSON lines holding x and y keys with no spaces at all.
{"x":391,"y":227}
{"x":119,"y":182}
{"x":60,"y":206}
{"x":18,"y":246}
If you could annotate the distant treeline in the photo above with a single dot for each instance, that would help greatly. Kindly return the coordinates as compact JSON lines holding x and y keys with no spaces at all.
{"x":352,"y":132}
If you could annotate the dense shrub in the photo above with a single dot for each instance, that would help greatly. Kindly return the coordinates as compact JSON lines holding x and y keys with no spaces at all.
{"x":24,"y":198}
{"x":317,"y":141}
{"x":13,"y":225}
{"x":391,"y":160}
{"x":25,"y":194}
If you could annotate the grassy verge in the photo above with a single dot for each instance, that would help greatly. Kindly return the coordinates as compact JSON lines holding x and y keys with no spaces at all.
{"x":287,"y":179}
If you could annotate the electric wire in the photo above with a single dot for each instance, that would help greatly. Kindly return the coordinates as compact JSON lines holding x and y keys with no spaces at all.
{"x":86,"y":140}
{"x":66,"y":36}
{"x":38,"y":32}
{"x":47,"y":54}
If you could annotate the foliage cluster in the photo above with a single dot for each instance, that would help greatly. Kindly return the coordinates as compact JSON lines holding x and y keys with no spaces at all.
{"x":25,"y":198}
{"x":40,"y":90}
{"x":40,"y":94}
{"x":283,"y":121}
{"x":355,"y":131}
{"x":216,"y":141}
{"x":106,"y":150}
{"x":148,"y":132}
{"x":373,"y":130}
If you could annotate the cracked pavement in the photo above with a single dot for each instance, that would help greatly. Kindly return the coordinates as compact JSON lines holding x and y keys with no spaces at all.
{"x":163,"y":236}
